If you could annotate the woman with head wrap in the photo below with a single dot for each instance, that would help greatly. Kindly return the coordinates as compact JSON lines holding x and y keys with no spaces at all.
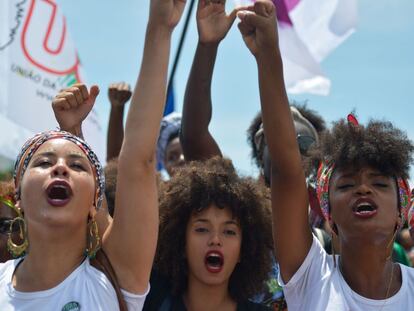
{"x":59,"y":185}
{"x":169,"y":152}
{"x":361,"y":190}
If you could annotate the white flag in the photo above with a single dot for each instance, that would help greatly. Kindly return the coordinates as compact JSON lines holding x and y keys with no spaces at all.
{"x":308,"y":31}
{"x":37,"y":59}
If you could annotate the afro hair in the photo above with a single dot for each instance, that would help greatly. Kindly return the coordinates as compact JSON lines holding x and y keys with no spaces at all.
{"x":194,"y":188}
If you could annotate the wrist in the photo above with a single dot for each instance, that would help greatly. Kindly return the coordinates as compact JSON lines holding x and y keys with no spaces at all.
{"x":269,"y":56}
{"x":75,"y":130}
{"x":212,"y":45}
{"x":117,"y":107}
{"x":158,"y":31}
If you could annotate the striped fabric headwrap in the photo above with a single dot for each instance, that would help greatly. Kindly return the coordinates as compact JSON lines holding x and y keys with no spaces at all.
{"x":34,"y":143}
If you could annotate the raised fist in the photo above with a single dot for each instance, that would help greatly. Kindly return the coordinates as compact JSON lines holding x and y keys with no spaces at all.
{"x":258,"y":26}
{"x":72,"y":105}
{"x":119,"y":94}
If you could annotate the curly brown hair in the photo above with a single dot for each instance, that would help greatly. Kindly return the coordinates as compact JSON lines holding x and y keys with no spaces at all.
{"x":195,"y":187}
{"x":378,"y":144}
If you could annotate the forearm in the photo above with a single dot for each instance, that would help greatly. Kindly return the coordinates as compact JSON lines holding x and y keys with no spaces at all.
{"x":148,"y":99}
{"x":197,"y":110}
{"x":276,"y":114}
{"x":288,"y":185}
{"x":115,"y":132}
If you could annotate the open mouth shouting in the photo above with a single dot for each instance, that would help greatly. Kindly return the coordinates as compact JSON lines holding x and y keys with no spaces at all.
{"x":214,"y":261}
{"x":364,"y":208}
{"x":58,"y":193}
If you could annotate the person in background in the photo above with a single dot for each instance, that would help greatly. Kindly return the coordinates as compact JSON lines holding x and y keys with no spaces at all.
{"x":169,"y":151}
{"x":8,"y":232}
{"x":118,"y":94}
{"x":214,"y":249}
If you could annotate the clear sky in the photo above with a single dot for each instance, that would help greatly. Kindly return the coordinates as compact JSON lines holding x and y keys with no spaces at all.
{"x":372,"y":72}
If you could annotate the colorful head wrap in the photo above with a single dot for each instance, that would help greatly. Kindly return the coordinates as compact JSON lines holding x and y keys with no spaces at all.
{"x":170,"y":125}
{"x":34,"y":143}
{"x":326,"y":168}
{"x":411,"y":216}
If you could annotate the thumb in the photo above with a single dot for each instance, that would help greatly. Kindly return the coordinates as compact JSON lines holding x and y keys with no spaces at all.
{"x":233,"y":15}
{"x":93,"y":93}
{"x":251,"y":19}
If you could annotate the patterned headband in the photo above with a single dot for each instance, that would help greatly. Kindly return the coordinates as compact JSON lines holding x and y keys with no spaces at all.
{"x":33,"y":144}
{"x":324,"y":176}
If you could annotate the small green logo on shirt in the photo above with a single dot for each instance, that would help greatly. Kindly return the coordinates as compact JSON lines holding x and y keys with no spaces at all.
{"x":72,"y":306}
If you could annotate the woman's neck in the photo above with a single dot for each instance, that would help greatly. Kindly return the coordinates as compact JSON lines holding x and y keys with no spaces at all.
{"x":368,"y":269}
{"x":203,"y":297}
{"x":48,"y":262}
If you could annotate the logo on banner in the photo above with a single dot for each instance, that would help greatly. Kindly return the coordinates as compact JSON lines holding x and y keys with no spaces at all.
{"x":13,"y":28}
{"x":45,"y":41}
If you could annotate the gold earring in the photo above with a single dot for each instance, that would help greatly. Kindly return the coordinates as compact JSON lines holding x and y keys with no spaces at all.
{"x":14,"y":249}
{"x":93,"y":239}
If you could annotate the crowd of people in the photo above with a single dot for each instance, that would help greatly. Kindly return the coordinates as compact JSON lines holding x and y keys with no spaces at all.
{"x":325,"y":226}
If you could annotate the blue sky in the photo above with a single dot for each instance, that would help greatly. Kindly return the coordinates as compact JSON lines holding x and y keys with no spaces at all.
{"x":372,"y":72}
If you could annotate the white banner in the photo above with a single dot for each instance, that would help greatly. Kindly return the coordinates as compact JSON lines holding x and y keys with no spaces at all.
{"x":309,"y":30}
{"x":37,"y":59}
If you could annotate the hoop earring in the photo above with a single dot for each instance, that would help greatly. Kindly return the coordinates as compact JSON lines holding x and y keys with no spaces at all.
{"x":93,"y":240}
{"x":14,"y":249}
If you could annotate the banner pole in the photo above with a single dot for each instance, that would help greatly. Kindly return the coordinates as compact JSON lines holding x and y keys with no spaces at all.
{"x":180,"y":46}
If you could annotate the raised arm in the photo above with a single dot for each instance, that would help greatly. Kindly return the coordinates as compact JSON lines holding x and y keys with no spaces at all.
{"x":213,"y":25}
{"x":288,"y":186}
{"x":118,"y":94}
{"x":131,"y":240}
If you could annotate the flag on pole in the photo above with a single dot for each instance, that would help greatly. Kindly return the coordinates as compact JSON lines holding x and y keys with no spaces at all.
{"x":309,"y":30}
{"x":37,"y":59}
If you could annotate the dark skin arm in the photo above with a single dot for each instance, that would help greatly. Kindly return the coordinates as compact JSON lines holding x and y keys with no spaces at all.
{"x":288,"y":185}
{"x":213,"y":25}
{"x":118,"y":94}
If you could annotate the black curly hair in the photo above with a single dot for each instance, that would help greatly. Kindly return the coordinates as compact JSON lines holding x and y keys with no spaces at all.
{"x":378,"y":144}
{"x":195,"y":187}
{"x":257,"y":151}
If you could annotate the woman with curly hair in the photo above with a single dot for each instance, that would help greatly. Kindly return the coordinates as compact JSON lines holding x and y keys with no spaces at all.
{"x":361,"y":189}
{"x":215,"y":240}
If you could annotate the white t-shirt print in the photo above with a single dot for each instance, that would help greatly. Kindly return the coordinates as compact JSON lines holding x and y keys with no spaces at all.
{"x":86,"y":288}
{"x":319,"y":286}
